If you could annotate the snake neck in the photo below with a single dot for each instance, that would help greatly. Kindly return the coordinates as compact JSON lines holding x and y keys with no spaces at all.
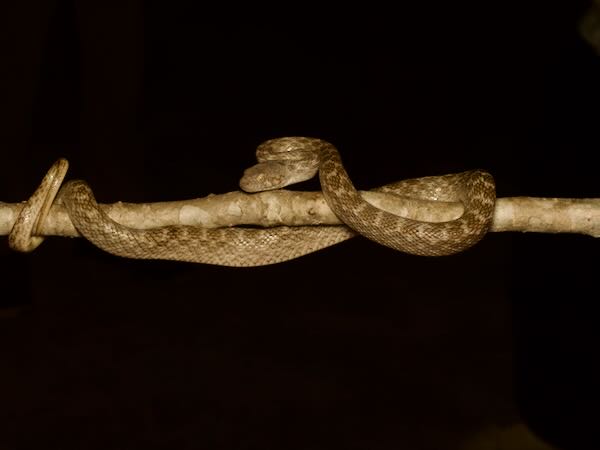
{"x":339,"y":192}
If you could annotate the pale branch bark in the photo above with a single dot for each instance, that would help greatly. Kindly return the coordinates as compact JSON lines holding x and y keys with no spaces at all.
{"x":294,"y":208}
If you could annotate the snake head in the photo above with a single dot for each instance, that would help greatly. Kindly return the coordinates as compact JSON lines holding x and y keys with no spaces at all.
{"x":281,"y":162}
{"x":271,"y":175}
{"x":265,"y":176}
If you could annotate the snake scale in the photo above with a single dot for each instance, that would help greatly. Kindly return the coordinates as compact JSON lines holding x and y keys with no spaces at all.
{"x":281,"y":162}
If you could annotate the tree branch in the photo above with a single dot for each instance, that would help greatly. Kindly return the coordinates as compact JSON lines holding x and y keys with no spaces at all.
{"x":294,"y":208}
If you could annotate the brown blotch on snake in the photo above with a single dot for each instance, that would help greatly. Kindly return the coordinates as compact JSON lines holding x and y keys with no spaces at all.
{"x":284,"y":161}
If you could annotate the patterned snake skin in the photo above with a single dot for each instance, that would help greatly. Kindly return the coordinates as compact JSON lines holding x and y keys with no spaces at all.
{"x":284,"y":161}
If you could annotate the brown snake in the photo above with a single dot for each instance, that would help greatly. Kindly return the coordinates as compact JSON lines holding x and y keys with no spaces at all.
{"x":282,"y":161}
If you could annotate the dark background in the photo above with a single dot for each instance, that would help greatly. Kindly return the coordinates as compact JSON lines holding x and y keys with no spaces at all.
{"x":353,"y":347}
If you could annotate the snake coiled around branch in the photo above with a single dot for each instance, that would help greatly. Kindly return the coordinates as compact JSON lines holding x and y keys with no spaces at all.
{"x":282,"y":161}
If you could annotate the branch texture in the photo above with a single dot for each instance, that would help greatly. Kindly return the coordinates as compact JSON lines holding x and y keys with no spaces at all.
{"x":295,"y":208}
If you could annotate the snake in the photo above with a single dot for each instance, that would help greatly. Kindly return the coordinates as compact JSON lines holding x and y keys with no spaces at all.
{"x":281,"y":162}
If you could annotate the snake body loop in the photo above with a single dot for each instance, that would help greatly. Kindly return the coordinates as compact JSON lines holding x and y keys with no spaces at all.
{"x":284,"y":161}
{"x":24,"y":235}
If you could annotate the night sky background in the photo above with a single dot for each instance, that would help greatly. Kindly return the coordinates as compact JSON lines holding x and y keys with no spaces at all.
{"x":356,"y":346}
